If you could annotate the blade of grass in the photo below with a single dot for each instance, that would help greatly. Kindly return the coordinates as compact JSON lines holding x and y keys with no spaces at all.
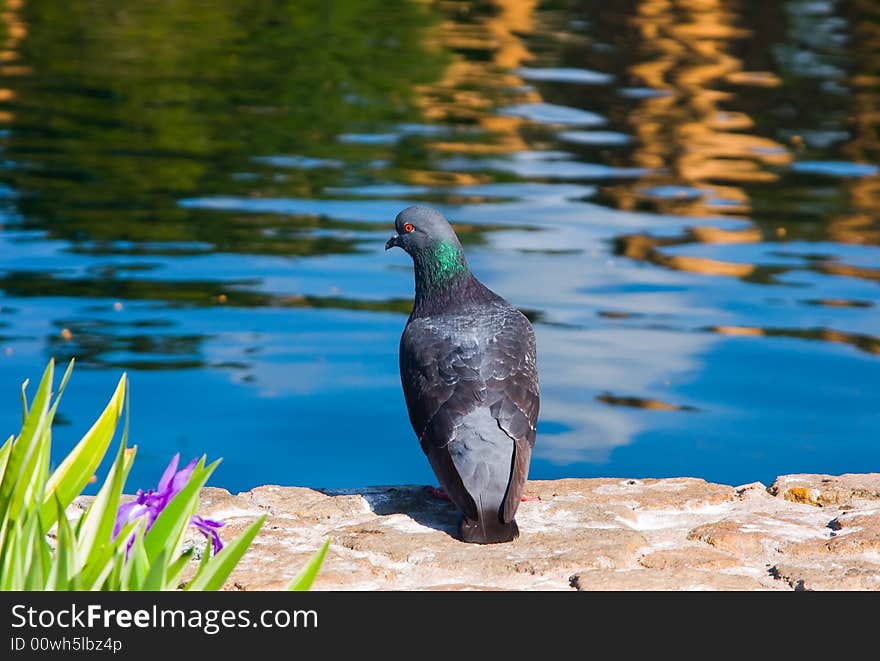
{"x":4,"y":455}
{"x":73,"y":473}
{"x":155,"y":579}
{"x":37,"y":485}
{"x":36,"y":572}
{"x":24,"y":451}
{"x":100,"y":560}
{"x":140,"y":565}
{"x":122,"y":559}
{"x":11,"y":565}
{"x":61,"y":576}
{"x":41,"y":467}
{"x":113,"y":580}
{"x":100,"y":518}
{"x":303,"y":581}
{"x":172,"y":576}
{"x":24,"y":402}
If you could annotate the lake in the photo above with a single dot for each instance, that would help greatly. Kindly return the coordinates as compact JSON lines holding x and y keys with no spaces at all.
{"x":683,"y":196}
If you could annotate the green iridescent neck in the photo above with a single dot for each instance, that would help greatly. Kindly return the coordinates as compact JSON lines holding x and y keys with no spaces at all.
{"x":449,"y":262}
{"x":440,"y":266}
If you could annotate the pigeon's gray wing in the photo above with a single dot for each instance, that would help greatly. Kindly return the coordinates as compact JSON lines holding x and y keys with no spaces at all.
{"x":441,"y":383}
{"x":445,"y":378}
{"x":514,"y":396}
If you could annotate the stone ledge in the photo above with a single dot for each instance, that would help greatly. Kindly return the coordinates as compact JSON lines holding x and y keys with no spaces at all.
{"x":588,"y":534}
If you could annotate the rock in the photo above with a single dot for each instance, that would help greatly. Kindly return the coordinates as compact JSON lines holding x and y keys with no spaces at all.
{"x":853,"y":533}
{"x":689,"y":557}
{"x":729,"y":535}
{"x":588,"y":534}
{"x":817,"y":573}
{"x":766,"y":531}
{"x":825,"y":490}
{"x":664,"y":579}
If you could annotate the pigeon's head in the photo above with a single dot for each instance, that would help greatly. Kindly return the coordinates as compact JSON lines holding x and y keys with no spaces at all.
{"x":422,"y":231}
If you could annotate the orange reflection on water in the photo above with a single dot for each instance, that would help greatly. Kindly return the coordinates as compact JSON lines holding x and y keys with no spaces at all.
{"x":16,"y":31}
{"x":862,"y":226}
{"x":862,"y":342}
{"x":645,"y":247}
{"x":685,"y":133}
{"x":472,"y":87}
{"x":640,"y":403}
{"x":709,"y":234}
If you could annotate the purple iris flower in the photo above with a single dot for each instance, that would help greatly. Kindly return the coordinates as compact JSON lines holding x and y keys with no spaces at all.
{"x":208,"y":527}
{"x":151,"y":502}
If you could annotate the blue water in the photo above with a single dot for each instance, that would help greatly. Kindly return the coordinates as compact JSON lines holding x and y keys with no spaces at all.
{"x":690,"y":221}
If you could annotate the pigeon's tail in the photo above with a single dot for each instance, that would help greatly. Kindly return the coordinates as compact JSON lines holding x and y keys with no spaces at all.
{"x":487,"y":529}
{"x":482,"y":456}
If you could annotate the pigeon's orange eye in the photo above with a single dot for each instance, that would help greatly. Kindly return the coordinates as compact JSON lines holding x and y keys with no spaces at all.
{"x":408,"y":228}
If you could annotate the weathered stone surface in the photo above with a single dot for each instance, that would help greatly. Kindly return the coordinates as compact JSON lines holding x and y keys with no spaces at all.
{"x":664,"y":579}
{"x":817,"y":573}
{"x":693,"y":557}
{"x":729,"y":535}
{"x":748,"y":533}
{"x":853,"y":533}
{"x":589,"y":534}
{"x":825,"y":490}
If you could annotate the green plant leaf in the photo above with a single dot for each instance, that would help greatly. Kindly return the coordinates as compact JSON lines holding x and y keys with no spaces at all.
{"x":98,"y":521}
{"x":11,"y":563}
{"x":140,"y":565}
{"x":4,"y":455}
{"x":113,"y":580}
{"x":46,"y":556}
{"x":74,"y":472}
{"x":36,"y":571}
{"x":61,"y":576}
{"x":24,"y":402}
{"x":124,"y":567}
{"x":24,"y":452}
{"x":100,"y":560}
{"x":40,"y":474}
{"x":155,"y":579}
{"x":303,"y":581}
{"x":219,"y":567}
{"x":172,"y":576}
{"x":41,"y":466}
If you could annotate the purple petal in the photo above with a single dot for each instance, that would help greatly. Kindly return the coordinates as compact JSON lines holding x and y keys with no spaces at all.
{"x":208,"y":527}
{"x":150,"y":503}
{"x":165,"y":480}
{"x":197,"y":521}
{"x":153,"y":510}
{"x":180,"y":479}
{"x":127,"y":513}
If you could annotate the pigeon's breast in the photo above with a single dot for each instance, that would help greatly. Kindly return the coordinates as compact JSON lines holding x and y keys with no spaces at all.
{"x":470,"y":330}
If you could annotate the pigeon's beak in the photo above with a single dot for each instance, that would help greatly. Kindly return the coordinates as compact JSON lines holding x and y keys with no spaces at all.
{"x":393,"y":241}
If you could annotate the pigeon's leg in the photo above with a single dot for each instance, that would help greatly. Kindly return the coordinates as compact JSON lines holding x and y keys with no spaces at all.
{"x":528,"y":499}
{"x":439,"y":494}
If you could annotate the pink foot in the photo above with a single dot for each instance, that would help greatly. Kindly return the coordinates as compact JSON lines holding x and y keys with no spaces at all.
{"x":439,"y":494}
{"x":528,"y":499}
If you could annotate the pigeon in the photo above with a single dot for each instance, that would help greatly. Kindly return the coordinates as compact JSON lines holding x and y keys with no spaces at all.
{"x":469,"y":373}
